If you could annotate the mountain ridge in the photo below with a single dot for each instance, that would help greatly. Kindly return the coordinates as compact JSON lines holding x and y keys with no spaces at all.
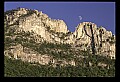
{"x":36,"y":27}
{"x":37,"y":45}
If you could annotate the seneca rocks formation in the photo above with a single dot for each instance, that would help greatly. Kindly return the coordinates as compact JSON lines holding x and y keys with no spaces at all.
{"x":87,"y":36}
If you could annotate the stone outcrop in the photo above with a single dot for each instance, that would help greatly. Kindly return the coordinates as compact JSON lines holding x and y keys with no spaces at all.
{"x":87,"y":36}
{"x":104,"y":41}
{"x":29,"y":55}
{"x":94,"y":37}
{"x":38,"y":22}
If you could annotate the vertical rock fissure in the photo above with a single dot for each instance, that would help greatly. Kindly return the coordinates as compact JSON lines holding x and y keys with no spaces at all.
{"x":86,"y":31}
{"x":93,"y":42}
{"x":100,"y":38}
{"x":92,"y":38}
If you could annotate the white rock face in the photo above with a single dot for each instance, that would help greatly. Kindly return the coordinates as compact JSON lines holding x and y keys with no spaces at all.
{"x":26,"y":54}
{"x":85,"y":35}
{"x":101,"y":37}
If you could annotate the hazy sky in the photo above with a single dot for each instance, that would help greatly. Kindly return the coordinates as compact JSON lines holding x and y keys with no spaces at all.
{"x":100,"y":13}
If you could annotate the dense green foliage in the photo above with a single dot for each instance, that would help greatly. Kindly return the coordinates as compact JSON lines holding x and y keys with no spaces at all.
{"x":17,"y":68}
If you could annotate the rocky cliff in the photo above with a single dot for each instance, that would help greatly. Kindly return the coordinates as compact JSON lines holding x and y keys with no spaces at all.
{"x":89,"y":36}
{"x":26,"y":26}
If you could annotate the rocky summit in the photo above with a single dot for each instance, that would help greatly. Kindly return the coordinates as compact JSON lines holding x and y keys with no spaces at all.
{"x":32,"y":36}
